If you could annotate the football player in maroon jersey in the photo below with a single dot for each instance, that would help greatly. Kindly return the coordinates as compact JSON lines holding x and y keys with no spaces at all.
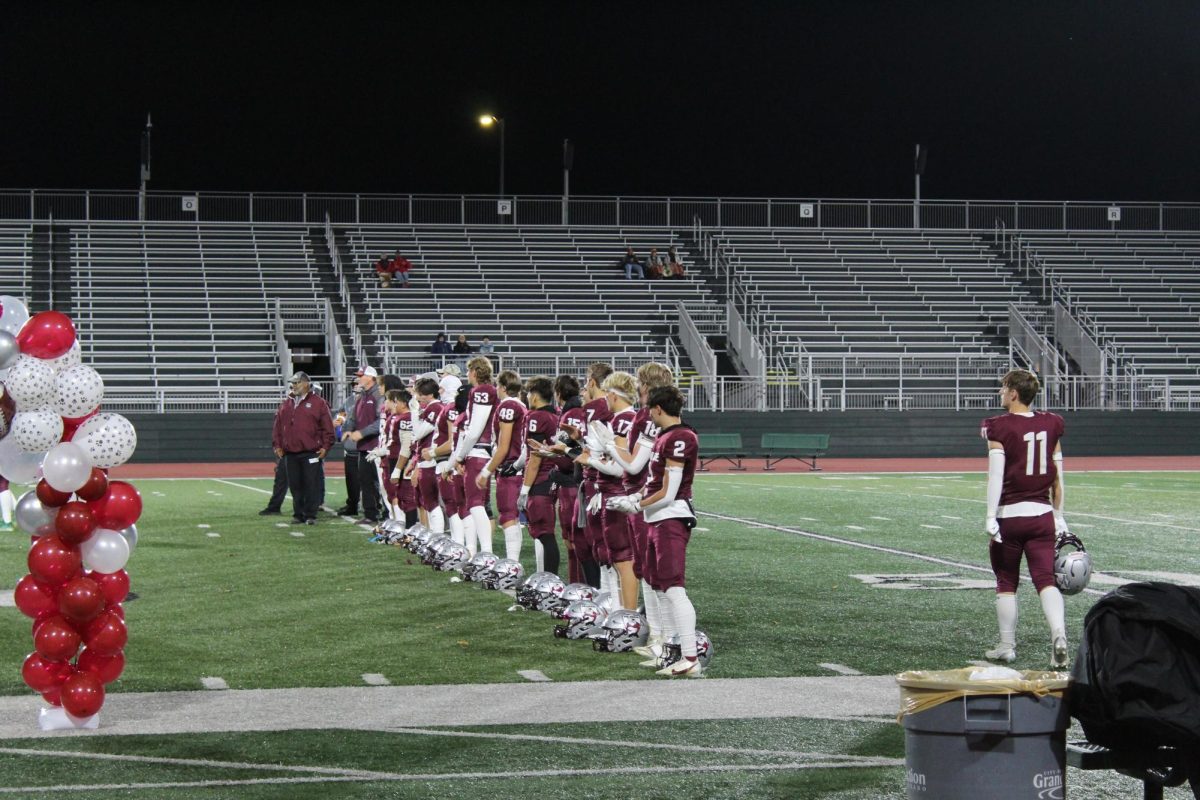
{"x":537,"y":494}
{"x":425,"y":409}
{"x":474,"y":447}
{"x":507,"y":424}
{"x":1024,"y":509}
{"x":593,"y":554}
{"x":667,"y":505}
{"x":400,"y":439}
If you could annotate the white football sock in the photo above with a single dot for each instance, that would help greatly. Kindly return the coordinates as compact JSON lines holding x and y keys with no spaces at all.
{"x":1052,"y":607}
{"x":483,"y":529}
{"x":1006,"y":615}
{"x":456,"y":530}
{"x":665,"y":614}
{"x":684,"y":615}
{"x":605,"y":588}
{"x":614,"y":586}
{"x":539,"y":555}
{"x":512,"y":542}
{"x":653,"y":618}
{"x":469,"y":535}
{"x":8,"y":502}
{"x":437,"y":520}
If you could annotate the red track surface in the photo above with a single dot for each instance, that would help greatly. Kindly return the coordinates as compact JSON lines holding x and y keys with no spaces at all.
{"x":248,"y":469}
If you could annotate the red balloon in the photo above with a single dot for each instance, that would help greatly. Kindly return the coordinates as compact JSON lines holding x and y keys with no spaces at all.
{"x":49,"y":496}
{"x":34,"y":598}
{"x":47,"y":334}
{"x":42,"y":617}
{"x":96,"y":486}
{"x":114,"y":585}
{"x":119,"y":508}
{"x":53,"y":561}
{"x":82,"y":694}
{"x":106,"y":668}
{"x":80,"y":599}
{"x":42,"y":675}
{"x":56,"y":640}
{"x":107,"y":634}
{"x":53,"y":697}
{"x":75,"y":523}
{"x":71,"y":424}
{"x":118,"y":609}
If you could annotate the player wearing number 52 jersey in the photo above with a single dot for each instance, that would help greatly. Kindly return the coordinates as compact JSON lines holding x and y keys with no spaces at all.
{"x":1024,"y":509}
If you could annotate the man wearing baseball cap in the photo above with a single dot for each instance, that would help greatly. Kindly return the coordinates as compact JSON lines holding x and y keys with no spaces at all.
{"x":302,"y":435}
{"x":363,"y":436}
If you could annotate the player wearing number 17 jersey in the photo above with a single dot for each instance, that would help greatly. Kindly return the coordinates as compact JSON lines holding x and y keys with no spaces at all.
{"x":1024,"y":509}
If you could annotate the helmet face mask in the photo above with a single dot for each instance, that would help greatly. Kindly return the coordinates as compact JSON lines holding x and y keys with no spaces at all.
{"x":1072,"y":565}
{"x":584,"y":619}
{"x":451,"y":557}
{"x":504,"y":574}
{"x":549,"y":594}
{"x":623,"y":631}
{"x":476,"y":569}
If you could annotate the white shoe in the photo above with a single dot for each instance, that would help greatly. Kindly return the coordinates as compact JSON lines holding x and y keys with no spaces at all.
{"x":1060,"y":656}
{"x":683,"y":668}
{"x":651,"y":649}
{"x":1002,"y":652}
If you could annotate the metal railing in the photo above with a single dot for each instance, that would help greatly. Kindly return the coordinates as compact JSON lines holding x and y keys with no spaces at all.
{"x":696,"y":346}
{"x":72,"y":205}
{"x":409,"y":363}
{"x":356,"y":343}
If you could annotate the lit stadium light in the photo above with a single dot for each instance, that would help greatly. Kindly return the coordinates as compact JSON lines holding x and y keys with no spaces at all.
{"x":487,"y":121}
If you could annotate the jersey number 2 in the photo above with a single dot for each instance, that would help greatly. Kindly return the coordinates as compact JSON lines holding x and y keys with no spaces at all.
{"x":1029,"y":438}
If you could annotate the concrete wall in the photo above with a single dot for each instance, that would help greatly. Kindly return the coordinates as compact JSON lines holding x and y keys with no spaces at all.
{"x":917,"y":434}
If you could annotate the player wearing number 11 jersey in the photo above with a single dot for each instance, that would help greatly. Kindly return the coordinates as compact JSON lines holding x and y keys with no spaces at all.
{"x":1024,"y":509}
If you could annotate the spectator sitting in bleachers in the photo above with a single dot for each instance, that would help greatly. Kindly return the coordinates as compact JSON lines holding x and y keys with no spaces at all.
{"x":674,"y":265}
{"x":655,"y":267}
{"x":486,"y":347}
{"x":631,"y":262}
{"x":393,"y":267}
{"x":462,"y":349}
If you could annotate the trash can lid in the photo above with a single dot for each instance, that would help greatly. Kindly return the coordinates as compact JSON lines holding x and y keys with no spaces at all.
{"x":921,"y":690}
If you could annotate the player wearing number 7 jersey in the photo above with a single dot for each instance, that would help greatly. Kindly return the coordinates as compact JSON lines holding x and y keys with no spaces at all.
{"x":1024,"y":509}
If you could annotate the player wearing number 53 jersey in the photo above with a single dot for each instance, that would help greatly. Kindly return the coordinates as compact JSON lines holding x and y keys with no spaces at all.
{"x":474,"y":448}
{"x":1024,"y":509}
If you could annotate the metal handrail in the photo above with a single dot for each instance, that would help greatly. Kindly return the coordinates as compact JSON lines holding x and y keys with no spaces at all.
{"x":356,"y":344}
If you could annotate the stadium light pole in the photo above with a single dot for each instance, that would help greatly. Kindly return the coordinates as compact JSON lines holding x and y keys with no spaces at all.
{"x":145,"y":168}
{"x":487,"y":121}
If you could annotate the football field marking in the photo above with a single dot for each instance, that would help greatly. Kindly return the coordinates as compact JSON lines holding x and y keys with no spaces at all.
{"x":214,"y":684}
{"x":840,"y":669}
{"x":375,"y":679}
{"x":535,"y":675}
{"x":6,"y":599}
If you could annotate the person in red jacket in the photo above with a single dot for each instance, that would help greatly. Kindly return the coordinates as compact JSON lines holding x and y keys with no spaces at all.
{"x":302,"y":435}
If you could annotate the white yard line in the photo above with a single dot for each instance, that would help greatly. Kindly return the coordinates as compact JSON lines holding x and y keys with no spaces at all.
{"x":535,"y":675}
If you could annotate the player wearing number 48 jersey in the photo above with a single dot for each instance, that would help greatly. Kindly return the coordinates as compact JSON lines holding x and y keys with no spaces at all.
{"x":1024,"y":509}
{"x":506,"y":459}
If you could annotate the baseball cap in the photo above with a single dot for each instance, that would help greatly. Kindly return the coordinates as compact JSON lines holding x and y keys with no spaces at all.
{"x":299,"y":377}
{"x":450,"y":369}
{"x":368,"y":372}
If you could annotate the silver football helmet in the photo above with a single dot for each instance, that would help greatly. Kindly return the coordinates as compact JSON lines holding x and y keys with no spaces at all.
{"x":573,"y":593}
{"x":1072,"y":567}
{"x":479,"y":565}
{"x":529,"y":592}
{"x":504,"y":574}
{"x":451,"y":557}
{"x":584,"y":619}
{"x":420,"y":539}
{"x":426,"y":551}
{"x":672,"y":651}
{"x":623,"y":631}
{"x":550,"y":594}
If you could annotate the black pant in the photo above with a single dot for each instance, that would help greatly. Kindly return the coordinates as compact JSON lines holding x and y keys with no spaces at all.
{"x":368,"y":485}
{"x":351,"y":464}
{"x":304,"y":474}
{"x":280,"y":488}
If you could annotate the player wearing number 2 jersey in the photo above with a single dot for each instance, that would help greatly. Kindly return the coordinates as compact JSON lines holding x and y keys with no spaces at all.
{"x":1024,"y":509}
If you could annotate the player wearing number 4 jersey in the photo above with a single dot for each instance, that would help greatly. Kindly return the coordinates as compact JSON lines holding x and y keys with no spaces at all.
{"x":1024,"y":509}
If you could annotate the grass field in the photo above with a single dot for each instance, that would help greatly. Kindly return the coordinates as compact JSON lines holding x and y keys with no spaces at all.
{"x":792,"y":576}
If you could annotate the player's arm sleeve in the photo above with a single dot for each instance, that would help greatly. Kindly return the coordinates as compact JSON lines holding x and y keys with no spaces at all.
{"x":406,"y":441}
{"x":610,"y":468}
{"x":1058,"y":498}
{"x":421,"y":429}
{"x":674,"y":477}
{"x":468,"y":437}
{"x":995,"y":479}
{"x":640,"y":457}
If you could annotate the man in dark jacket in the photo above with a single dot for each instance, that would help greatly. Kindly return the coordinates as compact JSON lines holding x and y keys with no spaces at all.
{"x":302,"y":435}
{"x":364,"y":436}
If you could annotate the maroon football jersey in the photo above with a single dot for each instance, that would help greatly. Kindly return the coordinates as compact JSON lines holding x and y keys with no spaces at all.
{"x":677,"y":443}
{"x":430,"y":414}
{"x":540,"y":425}
{"x":510,"y":410}
{"x":1029,"y":444}
{"x":446,"y":421}
{"x":398,"y":422}
{"x":621,"y":423}
{"x":482,"y":399}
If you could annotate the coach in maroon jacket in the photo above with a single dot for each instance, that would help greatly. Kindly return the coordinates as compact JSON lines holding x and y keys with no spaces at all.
{"x":302,"y":435}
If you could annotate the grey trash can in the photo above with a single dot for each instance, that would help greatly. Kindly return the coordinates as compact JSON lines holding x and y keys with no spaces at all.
{"x":985,"y":740}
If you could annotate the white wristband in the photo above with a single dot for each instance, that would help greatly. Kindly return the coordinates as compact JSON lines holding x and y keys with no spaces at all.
{"x":485,"y":473}
{"x":524,"y":490}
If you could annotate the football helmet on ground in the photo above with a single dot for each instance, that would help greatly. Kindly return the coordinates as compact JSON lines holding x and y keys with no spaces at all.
{"x":1072,"y":564}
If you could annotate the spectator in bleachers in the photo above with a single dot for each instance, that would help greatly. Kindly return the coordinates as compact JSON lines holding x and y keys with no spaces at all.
{"x":440,"y":345}
{"x":674,"y":265}
{"x":486,"y":348}
{"x":632,"y":263}
{"x":462,"y":349}
{"x":655,"y":268}
{"x":393,"y":267}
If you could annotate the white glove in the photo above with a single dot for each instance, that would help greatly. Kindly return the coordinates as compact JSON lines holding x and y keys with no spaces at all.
{"x":992,"y":528}
{"x":397,"y":474}
{"x":379,"y":452}
{"x":601,"y":432}
{"x":523,"y":499}
{"x":485,"y":473}
{"x":372,"y":457}
{"x":1060,"y":524}
{"x":594,"y":447}
{"x":443,"y":467}
{"x":629,"y":504}
{"x":414,"y":408}
{"x":593,"y":506}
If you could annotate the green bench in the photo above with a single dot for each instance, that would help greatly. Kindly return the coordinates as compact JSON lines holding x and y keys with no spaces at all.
{"x":721,"y":447}
{"x":804,"y":447}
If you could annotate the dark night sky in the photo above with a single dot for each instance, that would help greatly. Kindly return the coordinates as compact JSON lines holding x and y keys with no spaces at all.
{"x":1025,"y":100}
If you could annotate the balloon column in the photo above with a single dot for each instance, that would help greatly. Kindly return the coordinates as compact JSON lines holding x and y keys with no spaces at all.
{"x":82,"y":524}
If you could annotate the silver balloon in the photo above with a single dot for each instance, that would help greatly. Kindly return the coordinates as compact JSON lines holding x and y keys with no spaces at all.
{"x":13,"y":314}
{"x":33,"y":517}
{"x":130,"y":535}
{"x":105,"y":551}
{"x":17,"y":465}
{"x":9,"y":351}
{"x":66,"y":467}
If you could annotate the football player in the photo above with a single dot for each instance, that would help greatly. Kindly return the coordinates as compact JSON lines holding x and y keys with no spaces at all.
{"x":537,"y":494}
{"x":401,"y":492}
{"x":1024,"y":509}
{"x":567,"y":475}
{"x":474,"y":448}
{"x":507,"y":425}
{"x":593,"y":555}
{"x":667,"y":506}
{"x":425,"y":409}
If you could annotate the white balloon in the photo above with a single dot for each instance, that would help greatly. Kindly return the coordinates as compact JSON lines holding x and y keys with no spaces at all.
{"x":16,"y":464}
{"x":130,"y":535}
{"x":38,"y":430}
{"x":66,"y":467}
{"x":9,"y":351}
{"x":33,"y":517}
{"x":13,"y":314}
{"x":30,"y":382}
{"x":108,"y":439}
{"x":68,"y":359}
{"x":78,"y":390}
{"x":105,"y":551}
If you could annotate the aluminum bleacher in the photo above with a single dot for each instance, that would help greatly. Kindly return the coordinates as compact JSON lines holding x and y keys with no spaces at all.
{"x":179,"y":305}
{"x":1140,"y":292}
{"x":16,"y":250}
